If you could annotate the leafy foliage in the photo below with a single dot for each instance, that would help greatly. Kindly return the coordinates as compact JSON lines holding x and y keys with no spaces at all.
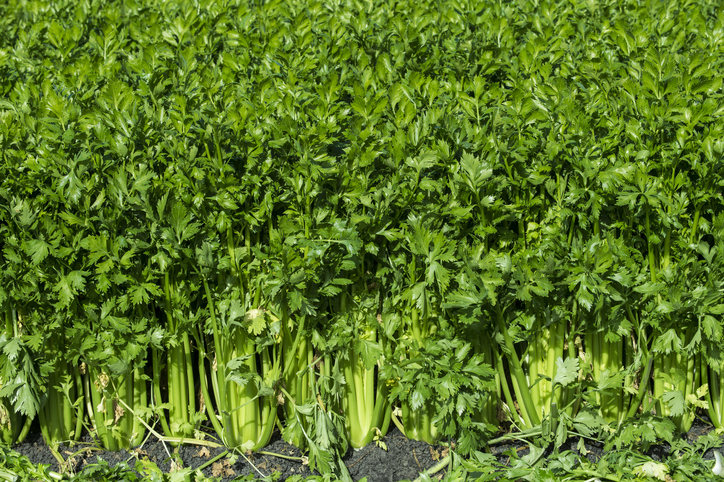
{"x":446,"y":209}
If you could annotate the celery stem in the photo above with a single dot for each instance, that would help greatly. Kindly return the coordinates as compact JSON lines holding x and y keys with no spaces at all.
{"x":207,"y":397}
{"x":522,"y":391}
{"x":652,"y":254}
{"x":157,"y":388}
{"x":189,"y":377}
{"x":642,"y":389}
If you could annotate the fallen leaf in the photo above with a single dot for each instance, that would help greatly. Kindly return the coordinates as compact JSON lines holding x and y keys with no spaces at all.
{"x":434,"y":454}
{"x":117,"y":411}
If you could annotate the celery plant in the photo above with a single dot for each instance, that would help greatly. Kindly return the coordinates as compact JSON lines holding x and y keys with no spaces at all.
{"x":680,"y":302}
{"x":485,"y":347}
{"x":247,"y":413}
{"x":115,"y":426}
{"x":61,"y":417}
{"x":437,"y":373}
{"x":672,"y":389}
{"x":14,"y":426}
{"x":179,"y":366}
{"x":365,"y":403}
{"x":298,"y":355}
{"x":37,"y":370}
{"x":599,"y":274}
{"x":114,"y":325}
{"x":239,"y":343}
{"x":287,"y":287}
{"x":712,"y":359}
{"x":173,"y":235}
{"x":61,"y":414}
{"x":712,"y":377}
{"x":114,"y":380}
{"x":417,"y":415}
{"x":466,"y":305}
{"x":607,"y":357}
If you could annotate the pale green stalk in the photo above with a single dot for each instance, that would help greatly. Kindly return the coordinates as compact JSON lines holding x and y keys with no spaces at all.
{"x":715,"y":393}
{"x":687,"y":385}
{"x":13,"y":426}
{"x":519,"y":379}
{"x":179,"y":371}
{"x":245,"y":419}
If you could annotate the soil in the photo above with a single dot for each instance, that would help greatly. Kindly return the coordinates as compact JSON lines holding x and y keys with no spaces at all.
{"x":403,"y":460}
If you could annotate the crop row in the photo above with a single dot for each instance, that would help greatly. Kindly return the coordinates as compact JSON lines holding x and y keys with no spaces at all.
{"x":332,"y":216}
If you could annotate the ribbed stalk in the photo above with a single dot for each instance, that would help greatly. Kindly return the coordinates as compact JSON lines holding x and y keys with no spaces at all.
{"x":365,"y":405}
{"x":58,"y":418}
{"x":219,"y":371}
{"x":488,"y":413}
{"x":248,"y":416}
{"x":520,"y":386}
{"x":715,"y":394}
{"x":270,"y":374}
{"x":296,"y":355}
{"x":116,"y":427}
{"x":203,"y":380}
{"x":13,"y":426}
{"x":157,"y":387}
{"x":603,"y":356}
{"x":671,"y":364}
{"x":140,"y":400}
{"x":179,"y":372}
{"x":246,"y":420}
{"x":418,"y":423}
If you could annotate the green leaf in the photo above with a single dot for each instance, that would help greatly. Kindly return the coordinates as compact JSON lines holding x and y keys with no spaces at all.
{"x":69,"y":286}
{"x":675,"y":402}
{"x":653,"y":469}
{"x":38,"y":250}
{"x":588,"y":423}
{"x":667,"y":342}
{"x":417,"y":400}
{"x":255,"y":321}
{"x":609,"y":381}
{"x":370,"y":352}
{"x":566,"y":371}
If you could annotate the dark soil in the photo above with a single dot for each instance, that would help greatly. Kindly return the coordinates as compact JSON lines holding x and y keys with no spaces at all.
{"x":403,"y":460}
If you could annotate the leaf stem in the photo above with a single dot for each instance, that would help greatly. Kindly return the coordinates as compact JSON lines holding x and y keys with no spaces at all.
{"x":519,"y":379}
{"x":636,"y":403}
{"x":433,"y":470}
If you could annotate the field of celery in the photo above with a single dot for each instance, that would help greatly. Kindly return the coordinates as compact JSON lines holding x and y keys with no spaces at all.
{"x":476,"y":221}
